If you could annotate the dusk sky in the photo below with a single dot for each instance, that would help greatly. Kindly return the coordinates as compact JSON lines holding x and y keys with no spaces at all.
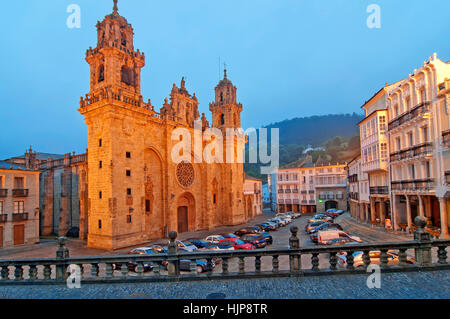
{"x":287,"y":58}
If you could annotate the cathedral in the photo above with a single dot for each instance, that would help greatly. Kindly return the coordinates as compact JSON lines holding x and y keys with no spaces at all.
{"x":136,"y":191}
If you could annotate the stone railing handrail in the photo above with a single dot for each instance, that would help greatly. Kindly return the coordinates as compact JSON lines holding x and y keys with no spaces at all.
{"x":55,"y":270}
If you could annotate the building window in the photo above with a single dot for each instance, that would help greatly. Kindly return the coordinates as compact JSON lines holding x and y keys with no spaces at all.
{"x":147,"y":205}
{"x":99,"y":224}
{"x":128,"y":155}
{"x":18,"y":183}
{"x":100,"y":142}
{"x":214,"y":198}
{"x":19,"y":207}
{"x":128,"y":172}
{"x":129,"y":219}
{"x":129,"y":191}
{"x":424,"y":134}
{"x":1,"y":181}
{"x":100,"y":164}
{"x":382,"y":124}
{"x":100,"y":195}
{"x":1,"y":207}
{"x":383,"y":148}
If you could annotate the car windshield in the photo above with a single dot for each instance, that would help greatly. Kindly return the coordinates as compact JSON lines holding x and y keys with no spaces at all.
{"x":239,"y":242}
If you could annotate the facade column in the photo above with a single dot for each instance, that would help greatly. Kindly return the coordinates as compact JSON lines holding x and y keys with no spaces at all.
{"x":372,"y":209}
{"x":394,"y":212}
{"x":444,"y":217}
{"x":408,"y":212}
{"x":421,"y":209}
{"x":382,"y":211}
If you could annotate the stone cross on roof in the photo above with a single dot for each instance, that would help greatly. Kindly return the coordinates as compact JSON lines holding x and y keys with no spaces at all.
{"x":115,"y":8}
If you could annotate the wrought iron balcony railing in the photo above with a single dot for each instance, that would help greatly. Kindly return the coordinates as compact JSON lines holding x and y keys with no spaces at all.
{"x":412,"y":152}
{"x":20,"y":192}
{"x":413,"y":185}
{"x":379,"y":190}
{"x":3,"y":218}
{"x":18,"y":217}
{"x":408,"y":116}
{"x":3,"y":192}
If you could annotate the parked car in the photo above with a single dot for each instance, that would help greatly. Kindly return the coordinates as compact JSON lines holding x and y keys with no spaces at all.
{"x":273,"y":224}
{"x":339,"y":241}
{"x":340,"y":211}
{"x":236,"y":243}
{"x":148,"y":266}
{"x":229,"y":235}
{"x":266,"y":227}
{"x":326,"y":226}
{"x":295,"y":215}
{"x":286,"y":218}
{"x":279,"y":221}
{"x":200,"y":243}
{"x":247,"y":230}
{"x":323,"y":236}
{"x":254,"y":239}
{"x":214,"y":238}
{"x":186,"y":246}
{"x":358,"y":260}
{"x":320,"y":217}
{"x":201,"y":265}
{"x":314,"y":224}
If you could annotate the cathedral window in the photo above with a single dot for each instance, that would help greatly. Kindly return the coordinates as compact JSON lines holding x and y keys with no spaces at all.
{"x":128,"y":76}
{"x":129,"y":191}
{"x":100,"y":142}
{"x":100,"y":195}
{"x":128,"y":172}
{"x":222,"y":119}
{"x":129,"y":219}
{"x":128,"y":155}
{"x":221,"y":96}
{"x":101,"y":74}
{"x":99,"y":224}
{"x":100,"y":164}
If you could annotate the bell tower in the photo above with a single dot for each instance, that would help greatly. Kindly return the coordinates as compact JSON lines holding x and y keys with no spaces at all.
{"x":226,"y":112}
{"x":114,"y":63}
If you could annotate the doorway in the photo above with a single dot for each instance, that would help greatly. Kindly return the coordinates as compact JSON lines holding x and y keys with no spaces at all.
{"x":19,"y":234}
{"x":182,"y":219}
{"x":330,"y":204}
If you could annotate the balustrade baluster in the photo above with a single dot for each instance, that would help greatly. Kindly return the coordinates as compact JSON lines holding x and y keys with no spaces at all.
{"x":109,"y":273}
{"x":47,"y":272}
{"x":209,"y":265}
{"x":18,"y":272}
{"x":94,"y":270}
{"x":5,"y":273}
{"x":124,"y":269}
{"x":350,"y":260}
{"x":156,"y":268}
{"x":258,"y":264}
{"x":225,"y":265}
{"x":139,"y":269}
{"x":275,"y":264}
{"x":193,"y":266}
{"x":383,"y":258}
{"x":241,"y":265}
{"x":315,"y":261}
{"x":333,"y":260}
{"x":32,"y":272}
{"x":402,"y":257}
{"x":442,"y":255}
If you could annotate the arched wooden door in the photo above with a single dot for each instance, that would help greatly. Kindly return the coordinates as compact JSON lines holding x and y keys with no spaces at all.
{"x":182,"y":219}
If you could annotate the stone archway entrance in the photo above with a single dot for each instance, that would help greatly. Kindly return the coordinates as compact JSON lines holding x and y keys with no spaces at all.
{"x":330,"y":204}
{"x":186,"y":213}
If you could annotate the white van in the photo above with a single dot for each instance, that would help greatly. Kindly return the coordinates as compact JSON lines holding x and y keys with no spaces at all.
{"x":324,"y":236}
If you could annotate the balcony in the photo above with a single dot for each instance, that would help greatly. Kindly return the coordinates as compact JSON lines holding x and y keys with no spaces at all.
{"x":353,"y":178}
{"x":311,"y":192}
{"x":446,"y":137}
{"x":304,"y":201}
{"x":413,"y":185}
{"x":312,"y":201}
{"x":20,"y":192}
{"x":353,"y":195}
{"x":295,"y":190}
{"x":287,"y":191}
{"x":379,"y":190}
{"x":18,"y":217}
{"x":304,"y":192}
{"x":423,"y":149}
{"x":3,"y":218}
{"x":3,"y":192}
{"x":418,"y":110}
{"x":280,"y":191}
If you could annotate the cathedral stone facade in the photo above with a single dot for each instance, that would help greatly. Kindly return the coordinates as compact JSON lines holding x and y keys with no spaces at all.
{"x":136,"y":191}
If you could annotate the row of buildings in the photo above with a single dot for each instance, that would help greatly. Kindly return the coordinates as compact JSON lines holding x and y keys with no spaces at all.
{"x":306,"y":186}
{"x":403,"y":170}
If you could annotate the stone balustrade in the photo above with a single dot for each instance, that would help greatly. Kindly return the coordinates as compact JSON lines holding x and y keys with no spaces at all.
{"x":428,"y":255}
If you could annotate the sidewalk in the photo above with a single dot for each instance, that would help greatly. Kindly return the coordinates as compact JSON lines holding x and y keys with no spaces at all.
{"x":370,"y":233}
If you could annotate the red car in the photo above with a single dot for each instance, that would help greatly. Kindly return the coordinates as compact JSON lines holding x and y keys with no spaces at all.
{"x":236,"y":243}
